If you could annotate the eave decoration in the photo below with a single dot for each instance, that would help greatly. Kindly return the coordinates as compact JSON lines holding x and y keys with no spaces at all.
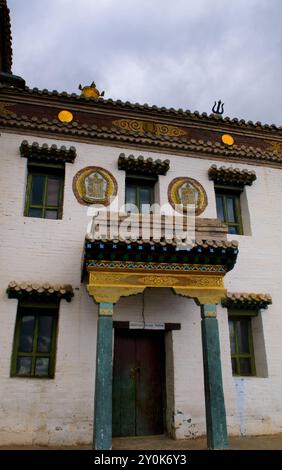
{"x":118,"y":267}
{"x":94,"y":185}
{"x":231,"y":176}
{"x":246,"y":301}
{"x":142,"y":165}
{"x":155,"y":128}
{"x":39,"y":292}
{"x":44,"y":153}
{"x":187,"y":191}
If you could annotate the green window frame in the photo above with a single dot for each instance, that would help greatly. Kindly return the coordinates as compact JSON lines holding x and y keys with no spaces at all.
{"x":228,"y":208}
{"x":140,"y":191}
{"x":44,"y":191}
{"x":241,"y":345}
{"x":35,"y":337}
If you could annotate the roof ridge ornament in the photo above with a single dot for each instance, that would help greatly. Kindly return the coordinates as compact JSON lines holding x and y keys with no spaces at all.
{"x":90,"y":91}
{"x":218,"y":108}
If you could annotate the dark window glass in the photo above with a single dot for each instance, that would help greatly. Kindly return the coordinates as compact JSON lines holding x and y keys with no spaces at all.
{"x":219,"y":207}
{"x":27,"y":333}
{"x":44,"y":195}
{"x":42,"y":367}
{"x":245,"y":366}
{"x":228,"y":210}
{"x":51,"y":214}
{"x":241,"y":346}
{"x":35,"y":213}
{"x":140,"y":193}
{"x":130,"y":196}
{"x":24,"y":365}
{"x":243,"y":335}
{"x":37,"y":193}
{"x":34,"y":343}
{"x":44,"y":333}
{"x":233,"y":230}
{"x":53,"y":191}
{"x":145,"y":196}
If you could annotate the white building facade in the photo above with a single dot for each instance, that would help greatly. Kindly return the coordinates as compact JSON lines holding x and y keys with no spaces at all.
{"x":154,"y":298}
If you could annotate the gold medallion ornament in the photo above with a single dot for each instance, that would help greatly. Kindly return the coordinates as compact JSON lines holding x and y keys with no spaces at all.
{"x":187,"y":191}
{"x":94,"y":185}
{"x":65,"y":116}
{"x":227,"y":139}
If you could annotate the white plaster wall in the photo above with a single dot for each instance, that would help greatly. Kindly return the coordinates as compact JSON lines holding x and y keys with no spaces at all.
{"x":60,"y":411}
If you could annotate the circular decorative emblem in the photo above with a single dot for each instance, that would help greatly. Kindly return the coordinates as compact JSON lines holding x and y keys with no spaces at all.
{"x":65,"y":116}
{"x":227,"y":139}
{"x":94,"y":185}
{"x":184,"y":191}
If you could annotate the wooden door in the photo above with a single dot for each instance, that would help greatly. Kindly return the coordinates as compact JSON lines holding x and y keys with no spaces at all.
{"x":138,"y":383}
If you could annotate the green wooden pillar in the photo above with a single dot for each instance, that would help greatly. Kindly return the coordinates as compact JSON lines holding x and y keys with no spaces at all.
{"x":214,"y":397}
{"x":102,"y":439}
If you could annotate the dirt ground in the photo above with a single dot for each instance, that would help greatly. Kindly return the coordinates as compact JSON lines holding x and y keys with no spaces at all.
{"x":273,"y":442}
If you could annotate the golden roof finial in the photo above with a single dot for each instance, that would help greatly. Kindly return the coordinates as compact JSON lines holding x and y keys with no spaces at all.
{"x":91,"y":91}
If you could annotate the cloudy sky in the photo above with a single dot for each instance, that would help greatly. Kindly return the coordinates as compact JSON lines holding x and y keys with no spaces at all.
{"x":180,"y":53}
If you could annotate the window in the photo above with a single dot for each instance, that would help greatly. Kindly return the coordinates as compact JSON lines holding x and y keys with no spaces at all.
{"x":229,"y":210}
{"x":241,"y":345}
{"x":140,"y":192}
{"x":44,"y":194}
{"x":35,"y":341}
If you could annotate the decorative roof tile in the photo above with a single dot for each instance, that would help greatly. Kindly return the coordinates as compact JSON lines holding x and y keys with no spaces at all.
{"x":230,"y":175}
{"x":203,"y":252}
{"x":39,"y":292}
{"x":173,"y":241}
{"x":205,"y":149}
{"x":143,"y":165}
{"x":248,"y":301}
{"x":46,"y":153}
{"x":195,"y":116}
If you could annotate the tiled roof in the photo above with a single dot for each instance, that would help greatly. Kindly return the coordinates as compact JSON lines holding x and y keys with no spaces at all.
{"x":173,"y":241}
{"x":43,"y":152}
{"x":196,"y":115}
{"x":141,"y":165}
{"x":207,"y":149}
{"x":34,"y":291}
{"x":246,"y":301}
{"x":162,"y":251}
{"x":230,"y":175}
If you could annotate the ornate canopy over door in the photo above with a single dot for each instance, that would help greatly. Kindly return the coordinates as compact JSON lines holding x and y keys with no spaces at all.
{"x":120,"y":267}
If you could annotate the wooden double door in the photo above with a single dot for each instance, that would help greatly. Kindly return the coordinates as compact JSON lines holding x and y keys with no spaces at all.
{"x":138,"y":382}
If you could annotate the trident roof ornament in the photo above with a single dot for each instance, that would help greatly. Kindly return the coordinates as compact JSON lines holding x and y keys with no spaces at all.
{"x":218,"y":108}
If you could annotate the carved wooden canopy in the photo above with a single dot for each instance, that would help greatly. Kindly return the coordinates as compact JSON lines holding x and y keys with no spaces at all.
{"x":120,"y":267}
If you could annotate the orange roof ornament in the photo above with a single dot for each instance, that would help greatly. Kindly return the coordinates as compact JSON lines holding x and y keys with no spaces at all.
{"x":91,"y":91}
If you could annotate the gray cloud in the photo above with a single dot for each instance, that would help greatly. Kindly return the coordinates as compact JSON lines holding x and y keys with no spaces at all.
{"x":175,"y":54}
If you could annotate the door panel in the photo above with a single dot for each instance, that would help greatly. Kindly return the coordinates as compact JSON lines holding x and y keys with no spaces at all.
{"x":138,"y":383}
